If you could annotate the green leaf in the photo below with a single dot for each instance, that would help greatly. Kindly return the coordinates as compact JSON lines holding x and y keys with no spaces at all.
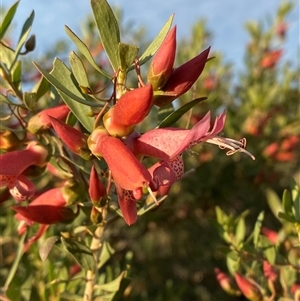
{"x":296,"y":201}
{"x":62,"y":79}
{"x":257,"y":228}
{"x":24,"y":35}
{"x":29,"y":99}
{"x":16,"y":263}
{"x":240,"y":231}
{"x":232,"y":260}
{"x":155,"y":44}
{"x":274,"y":202}
{"x":80,"y":252}
{"x":128,"y":53}
{"x":84,"y":50}
{"x":114,"y":285}
{"x":78,"y":70}
{"x":286,"y":217}
{"x":150,"y":206}
{"x":268,"y":249}
{"x":47,"y":246}
{"x":164,"y":112}
{"x":106,"y":252}
{"x":176,"y":115}
{"x":41,"y":88}
{"x":4,"y":99}
{"x":6,"y":21}
{"x":287,"y":203}
{"x":108,"y":29}
{"x":7,"y":55}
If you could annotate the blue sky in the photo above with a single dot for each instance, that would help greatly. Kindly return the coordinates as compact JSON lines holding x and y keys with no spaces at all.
{"x":226,"y":19}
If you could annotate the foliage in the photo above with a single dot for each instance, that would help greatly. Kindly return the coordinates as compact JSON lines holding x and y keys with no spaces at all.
{"x":70,"y":242}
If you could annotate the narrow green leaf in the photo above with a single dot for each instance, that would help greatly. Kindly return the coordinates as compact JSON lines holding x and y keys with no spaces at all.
{"x":61,"y":78}
{"x":16,"y":263}
{"x":286,"y":217}
{"x":108,"y":29}
{"x":274,"y":202}
{"x":176,"y":115}
{"x":287,"y":202}
{"x":257,"y":228}
{"x":106,"y":252}
{"x":78,"y":70}
{"x":80,"y":252}
{"x":128,"y":53}
{"x":7,"y":55}
{"x":16,"y":74}
{"x":29,"y":99}
{"x":6,"y":21}
{"x":164,"y":112}
{"x":150,"y":206}
{"x":240,"y":231}
{"x":268,"y":249}
{"x":232,"y":260}
{"x":114,"y":285}
{"x":155,"y":44}
{"x":47,"y":246}
{"x":24,"y":35}
{"x":41,"y":88}
{"x":84,"y":50}
{"x":296,"y":202}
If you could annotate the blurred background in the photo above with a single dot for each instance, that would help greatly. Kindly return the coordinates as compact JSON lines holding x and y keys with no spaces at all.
{"x":174,"y":249}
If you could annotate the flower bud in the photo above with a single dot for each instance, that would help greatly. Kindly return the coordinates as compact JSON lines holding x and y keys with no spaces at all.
{"x":130,"y":109}
{"x":75,"y":140}
{"x":249,"y":289}
{"x":161,"y":66}
{"x":41,"y":121}
{"x":126,"y":169}
{"x":181,"y":80}
{"x":30,"y":44}
{"x":96,"y":189}
{"x":227,"y":283}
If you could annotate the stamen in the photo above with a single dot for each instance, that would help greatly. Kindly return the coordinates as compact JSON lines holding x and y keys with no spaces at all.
{"x":234,"y":146}
{"x":152,"y":195}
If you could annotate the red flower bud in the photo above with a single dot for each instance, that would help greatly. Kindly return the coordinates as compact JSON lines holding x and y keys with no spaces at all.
{"x":161,"y":66}
{"x":227,"y":283}
{"x":48,"y":208}
{"x":42,"y":121}
{"x":249,"y":289}
{"x":181,"y":79}
{"x":271,"y":58}
{"x":96,"y":189}
{"x":126,"y":169}
{"x":75,"y":140}
{"x":130,"y":109}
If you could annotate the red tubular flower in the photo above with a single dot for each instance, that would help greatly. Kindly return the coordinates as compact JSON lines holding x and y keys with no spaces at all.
{"x":126,"y":169}
{"x":181,"y":80}
{"x":42,"y":121}
{"x":130,"y":109}
{"x":249,"y":289}
{"x":96,"y":189}
{"x":127,"y":203}
{"x":161,"y":66}
{"x":168,"y":143}
{"x":14,"y":163}
{"x":166,"y":173}
{"x":48,"y":208}
{"x":75,"y":140}
{"x":271,"y":58}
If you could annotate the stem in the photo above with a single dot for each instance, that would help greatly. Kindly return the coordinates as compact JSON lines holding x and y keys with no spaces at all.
{"x":91,"y":275}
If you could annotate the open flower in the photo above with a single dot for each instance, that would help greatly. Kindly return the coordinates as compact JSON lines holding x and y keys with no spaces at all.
{"x":168,"y":143}
{"x":12,"y":166}
{"x":127,"y":171}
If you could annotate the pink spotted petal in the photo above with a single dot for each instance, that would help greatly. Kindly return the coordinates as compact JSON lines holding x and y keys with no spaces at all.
{"x":22,"y":189}
{"x":7,"y":180}
{"x":127,"y":204}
